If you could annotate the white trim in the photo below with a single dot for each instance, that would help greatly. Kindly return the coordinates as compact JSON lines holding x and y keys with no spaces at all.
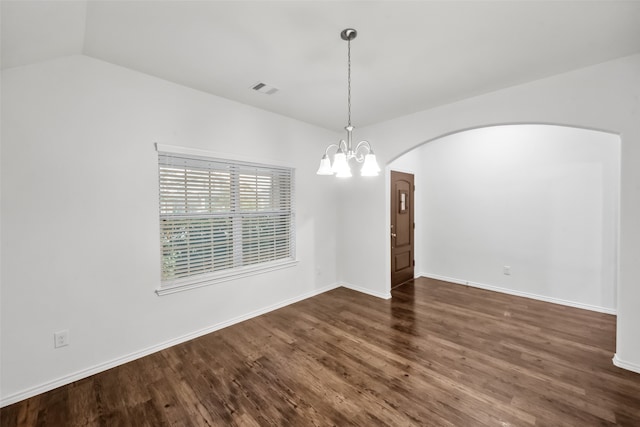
{"x":366,"y":291}
{"x":223,"y":276}
{"x":164,"y":148}
{"x":544,"y":298}
{"x":67,"y":379}
{"x":387,"y":225}
{"x":633,"y":367}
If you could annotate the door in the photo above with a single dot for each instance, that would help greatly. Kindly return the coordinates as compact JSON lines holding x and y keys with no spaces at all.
{"x":402,"y":227}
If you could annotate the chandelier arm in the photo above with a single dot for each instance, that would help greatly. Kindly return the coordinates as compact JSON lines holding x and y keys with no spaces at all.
{"x":364,"y":146}
{"x":336,"y":146}
{"x":341,"y":145}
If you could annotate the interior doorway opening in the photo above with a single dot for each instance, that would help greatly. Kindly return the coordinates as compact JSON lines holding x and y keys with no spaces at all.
{"x":531,"y":210}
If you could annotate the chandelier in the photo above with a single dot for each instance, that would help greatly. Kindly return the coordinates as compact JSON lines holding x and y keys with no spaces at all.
{"x":362,"y":153}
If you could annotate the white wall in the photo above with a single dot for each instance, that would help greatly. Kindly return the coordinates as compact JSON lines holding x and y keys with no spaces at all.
{"x":604,"y":97}
{"x":80,"y":243}
{"x":540,"y":199}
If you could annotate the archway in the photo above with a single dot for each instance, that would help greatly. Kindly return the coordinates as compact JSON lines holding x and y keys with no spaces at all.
{"x":526,"y":209}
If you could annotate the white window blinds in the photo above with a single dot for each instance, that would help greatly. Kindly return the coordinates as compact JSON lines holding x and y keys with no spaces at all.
{"x":219,"y":216}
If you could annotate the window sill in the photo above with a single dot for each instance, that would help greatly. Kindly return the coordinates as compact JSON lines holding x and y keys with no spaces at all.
{"x":222,"y":276}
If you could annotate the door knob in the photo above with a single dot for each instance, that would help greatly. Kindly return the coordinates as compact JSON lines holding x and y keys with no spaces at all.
{"x":393,"y":234}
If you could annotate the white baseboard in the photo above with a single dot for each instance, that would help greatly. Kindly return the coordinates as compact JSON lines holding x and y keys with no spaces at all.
{"x":633,"y":367}
{"x":544,"y":298}
{"x":366,"y":291}
{"x":84,"y":373}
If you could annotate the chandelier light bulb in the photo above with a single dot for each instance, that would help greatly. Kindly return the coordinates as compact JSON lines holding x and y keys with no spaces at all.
{"x":370,"y":166}
{"x":344,"y":172}
{"x":325,"y":166}
{"x":340,"y":162}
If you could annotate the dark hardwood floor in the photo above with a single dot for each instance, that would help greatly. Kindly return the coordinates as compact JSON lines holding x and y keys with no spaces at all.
{"x":437,"y":354}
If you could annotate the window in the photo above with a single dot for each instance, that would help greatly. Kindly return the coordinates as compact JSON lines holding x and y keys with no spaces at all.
{"x":222,"y":219}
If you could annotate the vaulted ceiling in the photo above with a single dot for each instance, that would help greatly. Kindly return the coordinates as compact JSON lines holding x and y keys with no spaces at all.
{"x":408,"y":56}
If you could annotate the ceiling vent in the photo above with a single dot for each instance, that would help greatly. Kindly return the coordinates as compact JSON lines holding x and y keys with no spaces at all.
{"x":264,"y":88}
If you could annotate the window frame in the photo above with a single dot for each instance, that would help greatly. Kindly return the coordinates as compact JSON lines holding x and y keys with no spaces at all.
{"x":172,"y":285}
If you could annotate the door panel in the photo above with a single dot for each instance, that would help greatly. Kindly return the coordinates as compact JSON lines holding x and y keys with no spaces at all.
{"x":402,"y":247}
{"x":403,"y":261}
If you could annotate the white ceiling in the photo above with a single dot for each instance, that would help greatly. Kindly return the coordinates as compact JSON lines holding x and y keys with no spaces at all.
{"x":408,"y":56}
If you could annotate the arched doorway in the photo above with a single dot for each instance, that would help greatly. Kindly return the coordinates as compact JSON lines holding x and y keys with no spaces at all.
{"x":530,"y":210}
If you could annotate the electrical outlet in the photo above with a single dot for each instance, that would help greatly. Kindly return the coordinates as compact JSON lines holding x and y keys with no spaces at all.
{"x":506,"y":270}
{"x":61,"y":338}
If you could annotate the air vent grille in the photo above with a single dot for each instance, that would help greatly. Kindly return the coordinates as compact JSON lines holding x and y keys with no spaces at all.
{"x":264,"y":88}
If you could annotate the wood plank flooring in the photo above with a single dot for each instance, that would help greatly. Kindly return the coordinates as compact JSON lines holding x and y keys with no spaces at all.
{"x":437,"y":354}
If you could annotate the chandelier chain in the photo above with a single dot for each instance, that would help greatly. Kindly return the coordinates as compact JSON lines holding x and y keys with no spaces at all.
{"x":349,"y":78}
